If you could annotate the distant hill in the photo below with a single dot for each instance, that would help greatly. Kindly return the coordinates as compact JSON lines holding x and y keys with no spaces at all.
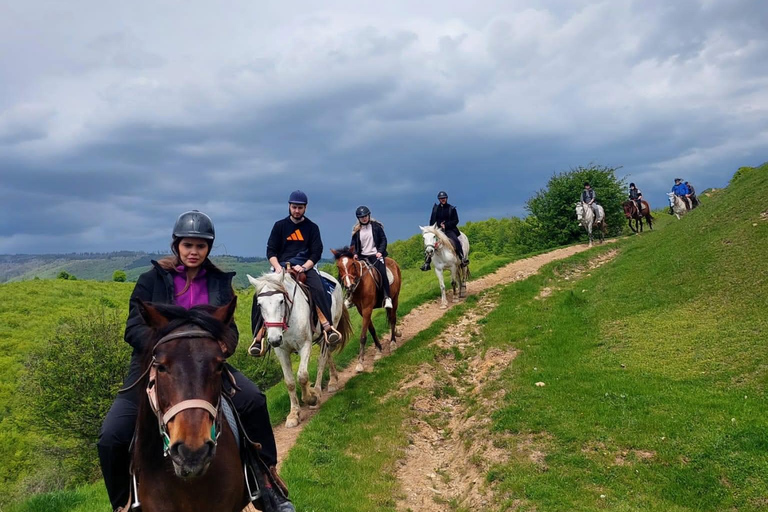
{"x":101,"y":266}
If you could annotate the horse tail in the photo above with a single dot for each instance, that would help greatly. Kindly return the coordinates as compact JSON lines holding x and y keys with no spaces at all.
{"x":345,"y":329}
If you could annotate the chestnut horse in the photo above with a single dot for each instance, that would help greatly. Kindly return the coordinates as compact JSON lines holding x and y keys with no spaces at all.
{"x":631,"y":213}
{"x":360,"y":282}
{"x":185,"y":456}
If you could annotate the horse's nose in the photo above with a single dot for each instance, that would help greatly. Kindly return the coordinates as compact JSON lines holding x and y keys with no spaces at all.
{"x":191,"y":462}
{"x":275,"y":341}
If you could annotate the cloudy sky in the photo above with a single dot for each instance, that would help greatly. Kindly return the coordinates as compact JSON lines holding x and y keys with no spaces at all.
{"x":117,"y":116}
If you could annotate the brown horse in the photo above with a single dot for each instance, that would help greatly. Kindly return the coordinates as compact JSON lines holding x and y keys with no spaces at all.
{"x":360,"y":281}
{"x":631,"y":213}
{"x":185,"y":456}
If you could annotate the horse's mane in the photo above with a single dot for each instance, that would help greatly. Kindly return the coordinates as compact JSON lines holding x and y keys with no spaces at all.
{"x":274,"y":279}
{"x":442,"y":237}
{"x":343,"y":252}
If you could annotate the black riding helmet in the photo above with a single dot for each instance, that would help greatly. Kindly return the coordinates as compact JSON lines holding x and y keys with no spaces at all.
{"x":442,"y":195}
{"x":362,"y":211}
{"x":194,"y":224}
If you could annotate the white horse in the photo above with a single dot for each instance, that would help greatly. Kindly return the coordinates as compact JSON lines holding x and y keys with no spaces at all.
{"x":678,"y":205}
{"x":439,"y":247}
{"x":586,"y":217}
{"x":287,"y":317}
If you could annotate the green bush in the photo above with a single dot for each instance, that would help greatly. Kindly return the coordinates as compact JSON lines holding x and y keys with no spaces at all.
{"x":63,"y":275}
{"x":71,"y":382}
{"x":553,"y":219}
{"x":119,"y":276}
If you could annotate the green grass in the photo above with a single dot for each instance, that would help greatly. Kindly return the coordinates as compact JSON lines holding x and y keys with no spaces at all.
{"x":30,"y":312}
{"x":655,"y":372}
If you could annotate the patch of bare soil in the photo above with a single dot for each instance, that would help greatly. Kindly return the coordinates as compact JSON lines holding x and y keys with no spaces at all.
{"x":450,"y":447}
{"x":421,"y":318}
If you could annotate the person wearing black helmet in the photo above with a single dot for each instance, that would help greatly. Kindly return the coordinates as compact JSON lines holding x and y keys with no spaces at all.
{"x":295,"y":241}
{"x":369,"y":243}
{"x":446,"y":218}
{"x":636,"y":196}
{"x":187,"y":278}
{"x":692,"y":195}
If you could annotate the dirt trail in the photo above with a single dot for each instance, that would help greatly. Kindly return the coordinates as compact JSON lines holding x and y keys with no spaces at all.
{"x":419,"y":319}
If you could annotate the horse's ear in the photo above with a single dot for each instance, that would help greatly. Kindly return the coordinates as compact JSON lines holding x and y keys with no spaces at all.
{"x":225,"y":313}
{"x":152,"y":317}
{"x":334,"y":252}
{"x":253,"y":281}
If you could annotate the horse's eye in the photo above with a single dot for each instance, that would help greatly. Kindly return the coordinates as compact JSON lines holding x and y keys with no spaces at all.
{"x":162,"y":368}
{"x":220,"y":367}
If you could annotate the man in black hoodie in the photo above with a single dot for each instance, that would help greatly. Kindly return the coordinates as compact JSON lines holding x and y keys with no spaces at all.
{"x":295,"y":240}
{"x":444,"y":215}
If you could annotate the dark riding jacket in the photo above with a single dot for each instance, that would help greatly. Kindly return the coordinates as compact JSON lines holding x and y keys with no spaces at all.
{"x":156,"y":285}
{"x":588,"y":195}
{"x":635,"y":194}
{"x":445,"y":213}
{"x":379,"y":239}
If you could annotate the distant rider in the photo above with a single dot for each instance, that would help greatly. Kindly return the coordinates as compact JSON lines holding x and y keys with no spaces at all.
{"x":446,"y":218}
{"x":636,"y":196}
{"x":369,"y":243}
{"x":680,"y":189}
{"x":692,"y":195}
{"x":295,"y":241}
{"x":588,"y":197}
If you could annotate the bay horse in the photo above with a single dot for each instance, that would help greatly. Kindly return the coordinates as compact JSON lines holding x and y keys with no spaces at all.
{"x":288,"y":319}
{"x":360,"y":281}
{"x":440,"y":248}
{"x":678,"y":205}
{"x":586,"y":217}
{"x":631,"y":212}
{"x":185,"y":458}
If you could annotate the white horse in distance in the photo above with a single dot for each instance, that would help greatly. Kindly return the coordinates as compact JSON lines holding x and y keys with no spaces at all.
{"x":440,"y":248}
{"x":678,"y":205}
{"x":587,"y":219}
{"x":288,"y":319}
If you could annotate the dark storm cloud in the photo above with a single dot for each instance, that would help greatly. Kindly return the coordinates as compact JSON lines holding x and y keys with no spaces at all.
{"x":120,"y":129}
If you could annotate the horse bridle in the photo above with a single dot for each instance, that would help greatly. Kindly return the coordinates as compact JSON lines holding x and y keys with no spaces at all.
{"x":195,"y":403}
{"x":288,"y":307}
{"x":356,"y":282}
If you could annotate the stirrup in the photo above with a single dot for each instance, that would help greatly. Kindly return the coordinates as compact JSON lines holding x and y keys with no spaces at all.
{"x":332,"y":336}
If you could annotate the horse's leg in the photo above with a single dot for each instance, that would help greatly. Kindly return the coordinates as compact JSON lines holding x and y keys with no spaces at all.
{"x":366,"y":315}
{"x":441,"y":280}
{"x":376,"y":342}
{"x":285,"y":363}
{"x":650,"y":223}
{"x":333,"y":380}
{"x":629,"y":223}
{"x":392,"y":317}
{"x":308,"y":396}
{"x":322,"y":360}
{"x":455,"y":281}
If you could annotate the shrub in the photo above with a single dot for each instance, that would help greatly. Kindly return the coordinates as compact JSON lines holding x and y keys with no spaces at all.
{"x":72,"y":380}
{"x":63,"y":275}
{"x":119,"y":276}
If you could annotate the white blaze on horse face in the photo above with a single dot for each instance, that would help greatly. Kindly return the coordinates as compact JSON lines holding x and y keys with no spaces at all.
{"x":347,"y":279}
{"x":273,"y":311}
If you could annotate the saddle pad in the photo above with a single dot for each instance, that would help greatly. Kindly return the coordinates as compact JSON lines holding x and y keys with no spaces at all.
{"x":390,"y":276}
{"x":229,"y":414}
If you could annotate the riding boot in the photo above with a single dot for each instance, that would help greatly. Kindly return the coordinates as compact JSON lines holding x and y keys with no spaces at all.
{"x":331,"y":334}
{"x":257,"y":348}
{"x":427,"y":261}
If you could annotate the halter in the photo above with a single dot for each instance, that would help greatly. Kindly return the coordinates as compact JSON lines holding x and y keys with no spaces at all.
{"x":196,"y":403}
{"x":287,"y":310}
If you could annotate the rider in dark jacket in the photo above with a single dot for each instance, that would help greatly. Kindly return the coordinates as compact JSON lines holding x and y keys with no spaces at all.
{"x":692,"y":195}
{"x":636,"y":196}
{"x":369,"y":242}
{"x":186,"y":279}
{"x":295,"y":240}
{"x":446,"y":218}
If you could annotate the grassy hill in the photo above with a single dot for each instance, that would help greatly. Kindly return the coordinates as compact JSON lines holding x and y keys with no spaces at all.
{"x":31,"y":311}
{"x":655,"y":369}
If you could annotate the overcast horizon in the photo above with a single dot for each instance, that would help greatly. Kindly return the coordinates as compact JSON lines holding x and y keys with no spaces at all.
{"x":117,"y":117}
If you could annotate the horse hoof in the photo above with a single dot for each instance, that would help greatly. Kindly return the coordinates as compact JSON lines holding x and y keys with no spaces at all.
{"x":311,"y":400}
{"x":359,"y":368}
{"x":377,"y":356}
{"x":398,"y":333}
{"x":332,"y":388}
{"x":291,"y":423}
{"x":444,"y":306}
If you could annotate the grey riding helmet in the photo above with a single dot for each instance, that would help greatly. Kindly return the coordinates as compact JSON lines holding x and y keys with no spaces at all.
{"x":194,"y":224}
{"x":442,"y":195}
{"x":362,"y":211}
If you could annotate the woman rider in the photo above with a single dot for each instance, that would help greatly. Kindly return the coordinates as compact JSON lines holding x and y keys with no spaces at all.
{"x":188,"y":278}
{"x":370,"y":244}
